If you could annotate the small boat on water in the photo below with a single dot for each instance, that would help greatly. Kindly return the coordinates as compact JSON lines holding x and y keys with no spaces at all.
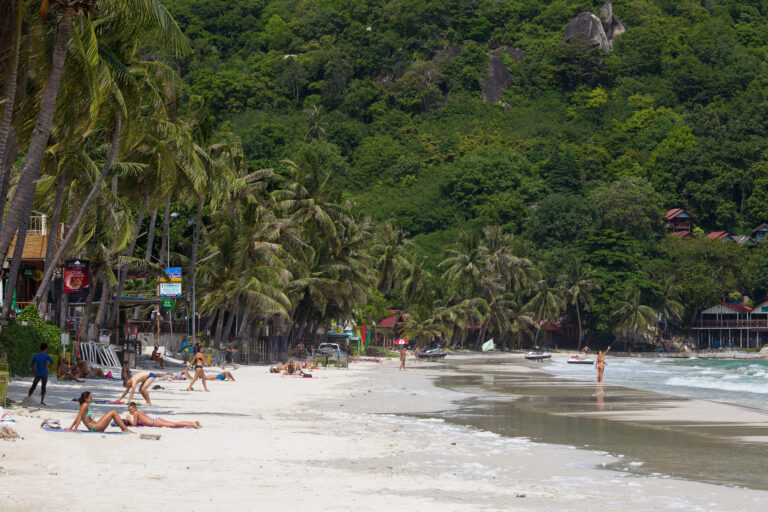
{"x":431,"y":355}
{"x":537,"y":356}
{"x":580,"y":360}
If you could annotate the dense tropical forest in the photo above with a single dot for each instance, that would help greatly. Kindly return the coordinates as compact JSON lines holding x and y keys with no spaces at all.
{"x":462,"y":160}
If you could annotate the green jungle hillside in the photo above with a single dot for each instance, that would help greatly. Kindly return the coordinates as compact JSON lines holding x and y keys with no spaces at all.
{"x":449,"y":116}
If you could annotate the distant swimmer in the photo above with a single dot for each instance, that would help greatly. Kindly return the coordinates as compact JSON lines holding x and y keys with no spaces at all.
{"x":600,"y":364}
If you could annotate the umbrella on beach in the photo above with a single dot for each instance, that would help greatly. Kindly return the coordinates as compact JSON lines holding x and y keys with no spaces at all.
{"x":401,"y":342}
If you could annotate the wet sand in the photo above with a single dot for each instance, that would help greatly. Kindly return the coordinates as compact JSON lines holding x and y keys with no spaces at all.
{"x":650,"y":433}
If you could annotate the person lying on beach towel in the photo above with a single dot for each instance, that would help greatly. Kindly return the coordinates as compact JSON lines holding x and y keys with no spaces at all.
{"x":86,"y":372}
{"x":288,"y":369}
{"x":137,"y":418}
{"x":100,"y":425}
{"x":145,"y":379}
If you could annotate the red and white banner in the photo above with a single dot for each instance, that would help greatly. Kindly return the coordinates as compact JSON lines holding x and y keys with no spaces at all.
{"x":77,"y":276}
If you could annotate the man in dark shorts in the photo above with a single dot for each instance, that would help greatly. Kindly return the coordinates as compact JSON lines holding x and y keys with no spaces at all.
{"x":40,"y":363}
{"x":228,"y":351}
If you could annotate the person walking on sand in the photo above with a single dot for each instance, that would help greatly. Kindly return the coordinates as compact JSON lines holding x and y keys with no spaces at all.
{"x":136,"y":418}
{"x":145,"y":379}
{"x":100,"y":425}
{"x":228,"y":353}
{"x":199,"y":361}
{"x":600,"y":363}
{"x":40,"y":363}
{"x":402,"y":360}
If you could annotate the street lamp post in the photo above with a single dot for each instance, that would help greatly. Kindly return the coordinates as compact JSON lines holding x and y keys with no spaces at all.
{"x":194,"y":312}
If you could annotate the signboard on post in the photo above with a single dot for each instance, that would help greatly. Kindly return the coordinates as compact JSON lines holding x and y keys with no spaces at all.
{"x":77,"y":276}
{"x":170,"y":287}
{"x":166,"y":304}
{"x":169,"y":290}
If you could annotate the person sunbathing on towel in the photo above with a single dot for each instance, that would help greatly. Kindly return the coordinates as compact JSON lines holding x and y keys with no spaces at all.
{"x":143,"y":378}
{"x":221,"y":376}
{"x":136,"y":418}
{"x":100,"y":425}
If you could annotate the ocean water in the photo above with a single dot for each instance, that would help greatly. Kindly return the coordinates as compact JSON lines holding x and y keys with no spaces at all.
{"x":735,"y":381}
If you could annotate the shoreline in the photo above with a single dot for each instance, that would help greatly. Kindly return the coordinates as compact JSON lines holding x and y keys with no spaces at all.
{"x":346,"y":440}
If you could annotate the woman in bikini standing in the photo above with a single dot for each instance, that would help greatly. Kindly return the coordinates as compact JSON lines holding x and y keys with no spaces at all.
{"x":100,"y":425}
{"x":600,"y":363}
{"x":199,"y":361}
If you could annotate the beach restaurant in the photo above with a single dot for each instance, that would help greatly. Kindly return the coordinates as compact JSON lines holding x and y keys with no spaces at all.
{"x":731,"y":324}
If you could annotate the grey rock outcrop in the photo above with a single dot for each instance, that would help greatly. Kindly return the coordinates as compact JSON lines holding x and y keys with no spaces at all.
{"x":499,"y":78}
{"x":601,"y":32}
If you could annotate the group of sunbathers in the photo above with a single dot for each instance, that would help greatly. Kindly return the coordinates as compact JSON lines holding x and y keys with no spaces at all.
{"x":290,"y":368}
{"x":135,"y":418}
{"x":81,"y":370}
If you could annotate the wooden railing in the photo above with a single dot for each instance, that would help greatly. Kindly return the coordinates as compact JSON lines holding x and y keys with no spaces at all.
{"x":731,"y":324}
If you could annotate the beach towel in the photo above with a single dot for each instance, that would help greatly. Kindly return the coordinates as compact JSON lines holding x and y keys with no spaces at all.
{"x":81,"y":431}
{"x":108,"y":402}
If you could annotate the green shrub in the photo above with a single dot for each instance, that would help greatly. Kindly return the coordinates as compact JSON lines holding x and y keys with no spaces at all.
{"x":21,"y":342}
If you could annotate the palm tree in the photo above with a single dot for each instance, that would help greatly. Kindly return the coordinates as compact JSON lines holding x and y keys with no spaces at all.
{"x":388,"y":247}
{"x":668,"y":305}
{"x":466,"y":261}
{"x":421,"y":326}
{"x":546,"y":304}
{"x":631,"y":316}
{"x":129,"y":21}
{"x":414,"y":286}
{"x":579,"y":283}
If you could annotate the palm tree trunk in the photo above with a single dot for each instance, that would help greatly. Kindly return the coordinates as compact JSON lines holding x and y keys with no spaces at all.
{"x":5,"y":172}
{"x":581,"y":333}
{"x":95,"y":189}
{"x":115,"y":315}
{"x":25,"y":192}
{"x":87,"y":309}
{"x":245,"y":323}
{"x":148,"y":253}
{"x":166,"y":220}
{"x":53,"y":231}
{"x":219,"y":325}
{"x":9,"y":91}
{"x":63,"y":313}
{"x":231,"y":319}
{"x":103,"y":306}
{"x":13,"y":272}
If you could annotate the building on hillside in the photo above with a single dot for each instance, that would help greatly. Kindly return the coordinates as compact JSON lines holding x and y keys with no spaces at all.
{"x":32,"y":258}
{"x":389,"y":329}
{"x":677,"y":220}
{"x":760,"y":233}
{"x":720,"y":236}
{"x":682,"y":234}
{"x":729,"y":324}
{"x":743,"y":240}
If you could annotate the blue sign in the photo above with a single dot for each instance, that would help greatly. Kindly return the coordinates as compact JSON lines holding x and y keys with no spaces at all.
{"x":174,"y":275}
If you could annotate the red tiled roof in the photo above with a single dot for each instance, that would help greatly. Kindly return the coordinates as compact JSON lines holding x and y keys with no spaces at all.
{"x":390,"y":321}
{"x":741,"y":308}
{"x":681,"y":234}
{"x":717,"y":235}
{"x":674,"y":212}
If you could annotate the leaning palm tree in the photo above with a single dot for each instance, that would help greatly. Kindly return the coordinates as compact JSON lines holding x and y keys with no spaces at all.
{"x":130,"y":19}
{"x":579,"y":283}
{"x":632,"y":316}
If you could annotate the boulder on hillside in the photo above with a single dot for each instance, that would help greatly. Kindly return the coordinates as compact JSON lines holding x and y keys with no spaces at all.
{"x":499,"y":78}
{"x":587,"y":27}
{"x":601,"y":32}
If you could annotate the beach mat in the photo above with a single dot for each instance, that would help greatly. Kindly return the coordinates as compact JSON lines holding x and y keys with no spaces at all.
{"x":108,"y":402}
{"x":63,"y":430}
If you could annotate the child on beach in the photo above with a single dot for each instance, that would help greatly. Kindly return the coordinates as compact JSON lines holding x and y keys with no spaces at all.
{"x":40,"y":363}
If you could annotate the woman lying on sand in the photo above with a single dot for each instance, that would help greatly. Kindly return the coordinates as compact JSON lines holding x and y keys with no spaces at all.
{"x":100,"y":425}
{"x":288,"y":369}
{"x":137,"y":418}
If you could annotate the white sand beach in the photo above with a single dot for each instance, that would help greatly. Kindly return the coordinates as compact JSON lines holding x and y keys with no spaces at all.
{"x":340,"y":441}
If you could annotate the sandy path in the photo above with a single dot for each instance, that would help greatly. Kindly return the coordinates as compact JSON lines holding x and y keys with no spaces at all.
{"x":317,"y":443}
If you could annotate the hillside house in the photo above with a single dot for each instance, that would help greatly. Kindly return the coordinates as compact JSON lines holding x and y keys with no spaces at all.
{"x":720,"y":236}
{"x":730,"y":324}
{"x":760,"y":233}
{"x":677,"y":220}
